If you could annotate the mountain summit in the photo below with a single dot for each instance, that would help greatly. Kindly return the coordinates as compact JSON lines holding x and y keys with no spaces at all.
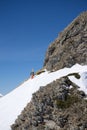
{"x":56,"y":98}
{"x":70,"y":47}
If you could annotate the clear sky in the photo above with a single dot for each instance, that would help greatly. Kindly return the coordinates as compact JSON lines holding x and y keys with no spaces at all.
{"x":27,"y":27}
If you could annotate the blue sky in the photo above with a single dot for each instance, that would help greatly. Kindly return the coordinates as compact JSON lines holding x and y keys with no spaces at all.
{"x":27,"y":27}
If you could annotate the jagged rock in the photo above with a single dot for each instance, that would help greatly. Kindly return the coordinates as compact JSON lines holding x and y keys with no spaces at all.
{"x":66,"y":113}
{"x":62,"y":121}
{"x":70,"y":47}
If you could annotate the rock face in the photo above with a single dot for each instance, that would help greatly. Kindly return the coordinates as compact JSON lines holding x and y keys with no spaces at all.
{"x":70,"y":47}
{"x":61,"y":108}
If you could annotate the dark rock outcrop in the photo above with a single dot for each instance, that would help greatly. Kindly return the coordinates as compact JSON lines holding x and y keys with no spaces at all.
{"x":54,"y":107}
{"x":70,"y":47}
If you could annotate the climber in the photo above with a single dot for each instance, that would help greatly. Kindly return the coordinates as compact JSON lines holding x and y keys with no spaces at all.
{"x":32,"y":74}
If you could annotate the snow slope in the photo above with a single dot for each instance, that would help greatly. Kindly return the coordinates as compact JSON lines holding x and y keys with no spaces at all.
{"x":13,"y":103}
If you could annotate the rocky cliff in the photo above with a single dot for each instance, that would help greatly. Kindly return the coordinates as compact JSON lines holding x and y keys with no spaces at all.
{"x":70,"y":47}
{"x":57,"y":106}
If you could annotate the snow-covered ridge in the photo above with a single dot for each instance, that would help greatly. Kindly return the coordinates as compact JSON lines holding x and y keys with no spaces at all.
{"x":13,"y":103}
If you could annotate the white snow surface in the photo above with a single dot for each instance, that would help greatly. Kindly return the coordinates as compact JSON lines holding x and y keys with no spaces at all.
{"x":13,"y":103}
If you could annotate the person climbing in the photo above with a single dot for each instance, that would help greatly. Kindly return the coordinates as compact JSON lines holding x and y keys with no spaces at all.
{"x":32,"y":74}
